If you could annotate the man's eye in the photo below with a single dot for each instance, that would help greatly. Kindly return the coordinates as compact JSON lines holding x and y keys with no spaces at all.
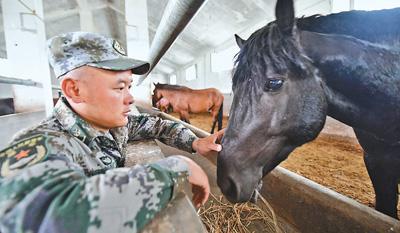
{"x":129,"y":87}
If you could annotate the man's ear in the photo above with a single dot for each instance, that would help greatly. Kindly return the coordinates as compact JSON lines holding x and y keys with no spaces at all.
{"x":71,"y":90}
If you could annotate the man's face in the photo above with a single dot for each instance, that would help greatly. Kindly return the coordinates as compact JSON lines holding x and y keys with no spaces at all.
{"x":106,"y":97}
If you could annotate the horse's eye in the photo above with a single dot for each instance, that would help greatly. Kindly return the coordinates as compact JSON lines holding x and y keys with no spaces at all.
{"x":273,"y":85}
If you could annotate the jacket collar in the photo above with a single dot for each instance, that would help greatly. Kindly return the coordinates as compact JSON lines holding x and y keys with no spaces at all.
{"x":76,"y":125}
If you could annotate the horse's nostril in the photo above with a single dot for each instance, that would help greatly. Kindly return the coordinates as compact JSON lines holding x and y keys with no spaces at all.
{"x":232,"y":190}
{"x":231,"y":185}
{"x":225,"y":179}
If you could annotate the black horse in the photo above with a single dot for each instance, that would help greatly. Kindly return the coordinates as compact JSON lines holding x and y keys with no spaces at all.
{"x":379,"y":26}
{"x":287,"y":81}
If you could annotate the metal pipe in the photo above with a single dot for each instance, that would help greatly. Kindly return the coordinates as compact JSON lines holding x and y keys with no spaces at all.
{"x":176,"y":17}
{"x":199,"y":132}
{"x":17,"y":81}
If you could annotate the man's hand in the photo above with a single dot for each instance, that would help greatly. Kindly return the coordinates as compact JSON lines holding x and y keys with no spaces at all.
{"x":199,"y":181}
{"x":208,"y":146}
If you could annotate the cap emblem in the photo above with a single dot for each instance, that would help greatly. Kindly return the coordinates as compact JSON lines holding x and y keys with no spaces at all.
{"x":117,"y":46}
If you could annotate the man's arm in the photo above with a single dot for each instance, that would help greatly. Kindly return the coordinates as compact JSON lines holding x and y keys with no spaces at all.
{"x":171,"y":133}
{"x":50,"y":193}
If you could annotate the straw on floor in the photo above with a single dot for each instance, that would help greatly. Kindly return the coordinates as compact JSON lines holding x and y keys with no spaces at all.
{"x":218,"y":215}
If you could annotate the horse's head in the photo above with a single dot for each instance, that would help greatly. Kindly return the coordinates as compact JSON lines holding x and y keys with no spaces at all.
{"x":156,"y":94}
{"x":278,"y":105}
{"x":160,"y":85}
{"x":164,"y":105}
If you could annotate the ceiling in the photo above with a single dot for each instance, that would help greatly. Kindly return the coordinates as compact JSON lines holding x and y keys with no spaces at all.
{"x":212,"y":28}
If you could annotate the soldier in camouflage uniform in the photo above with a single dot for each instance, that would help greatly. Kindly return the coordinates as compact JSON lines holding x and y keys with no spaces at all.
{"x":66,"y":174}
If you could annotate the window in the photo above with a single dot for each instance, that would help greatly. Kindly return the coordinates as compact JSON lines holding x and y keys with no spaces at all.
{"x":224,"y":59}
{"x":191,"y":73}
{"x":172,"y":79}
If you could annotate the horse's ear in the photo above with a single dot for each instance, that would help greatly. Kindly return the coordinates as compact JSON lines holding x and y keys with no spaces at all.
{"x":239,"y":41}
{"x":284,"y":12}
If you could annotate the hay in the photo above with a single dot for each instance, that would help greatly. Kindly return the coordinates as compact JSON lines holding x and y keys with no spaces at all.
{"x":220,"y":216}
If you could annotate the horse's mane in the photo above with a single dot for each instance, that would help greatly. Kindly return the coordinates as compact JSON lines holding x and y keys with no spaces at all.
{"x":171,"y":87}
{"x":266,"y":47}
{"x":379,"y":26}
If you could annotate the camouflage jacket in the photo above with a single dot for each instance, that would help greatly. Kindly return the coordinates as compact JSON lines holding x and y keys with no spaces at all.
{"x":65,"y":176}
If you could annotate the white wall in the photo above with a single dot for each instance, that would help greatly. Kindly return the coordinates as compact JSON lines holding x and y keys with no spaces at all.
{"x":26,"y":55}
{"x":5,"y":91}
{"x":205,"y":77}
{"x":159,"y":78}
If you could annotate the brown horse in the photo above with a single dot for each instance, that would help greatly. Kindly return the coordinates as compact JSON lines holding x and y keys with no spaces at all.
{"x":184,"y":100}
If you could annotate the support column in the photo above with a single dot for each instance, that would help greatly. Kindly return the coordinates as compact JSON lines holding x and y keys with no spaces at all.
{"x":26,"y":54}
{"x":137,"y":40}
{"x":351,"y":5}
{"x":86,"y":16}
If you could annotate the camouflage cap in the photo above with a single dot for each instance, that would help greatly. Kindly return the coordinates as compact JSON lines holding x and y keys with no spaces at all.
{"x":75,"y":49}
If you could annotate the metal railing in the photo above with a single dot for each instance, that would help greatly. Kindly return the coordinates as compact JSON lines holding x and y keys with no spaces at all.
{"x":17,"y":81}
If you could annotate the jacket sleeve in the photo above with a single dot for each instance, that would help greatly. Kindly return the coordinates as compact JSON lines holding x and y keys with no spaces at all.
{"x":47,"y":192}
{"x":171,"y":133}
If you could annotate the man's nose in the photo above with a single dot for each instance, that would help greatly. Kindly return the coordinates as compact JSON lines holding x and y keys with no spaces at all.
{"x":129,"y":98}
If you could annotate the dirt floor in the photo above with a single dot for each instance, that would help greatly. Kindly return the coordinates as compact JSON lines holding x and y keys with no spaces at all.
{"x":332,"y":161}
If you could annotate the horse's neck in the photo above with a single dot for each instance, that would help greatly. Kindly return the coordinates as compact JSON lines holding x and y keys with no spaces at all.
{"x":168,"y":94}
{"x":379,"y":26}
{"x":361,"y":81}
